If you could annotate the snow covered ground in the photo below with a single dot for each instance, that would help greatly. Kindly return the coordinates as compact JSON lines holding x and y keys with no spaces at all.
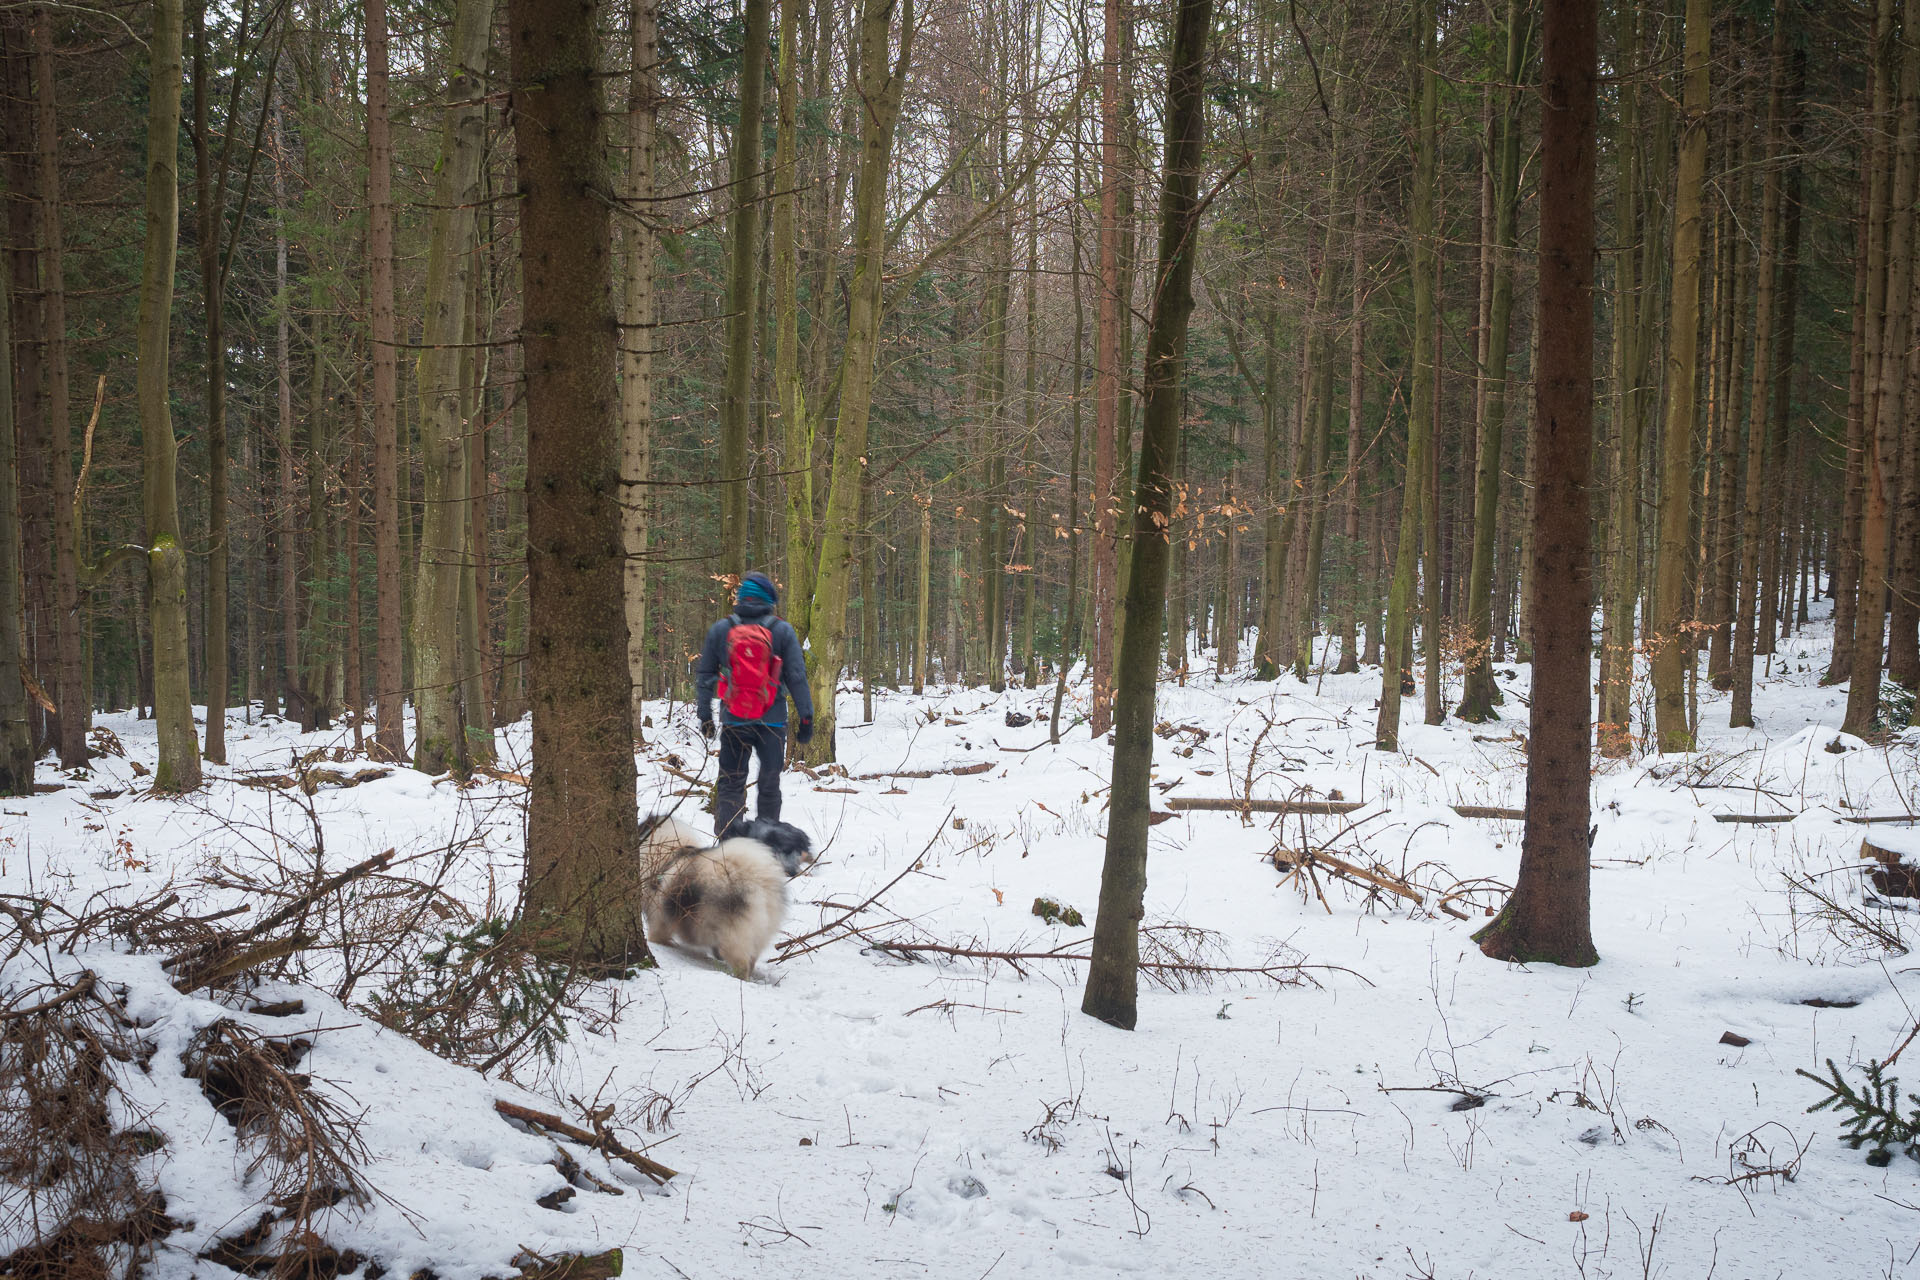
{"x":854,"y":1113}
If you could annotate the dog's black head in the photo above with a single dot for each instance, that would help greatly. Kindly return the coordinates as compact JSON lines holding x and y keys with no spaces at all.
{"x":789,"y":843}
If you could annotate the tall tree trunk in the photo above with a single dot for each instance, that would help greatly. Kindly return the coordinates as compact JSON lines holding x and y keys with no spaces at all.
{"x":283,"y":512}
{"x":925,"y":578}
{"x":1547,"y":918}
{"x":389,"y":696}
{"x":1889,"y":359}
{"x":209,"y":214}
{"x":1479,"y":696}
{"x":1277,"y":542}
{"x":1351,"y":554}
{"x":1226,"y":621}
{"x":1759,"y":416}
{"x":16,"y":732}
{"x":1845,"y":579}
{"x":789,"y":378}
{"x":1108,"y":423}
{"x":179,"y":764}
{"x":1630,"y":288}
{"x":1112,"y":977}
{"x":1670,"y":641}
{"x":583,"y":832}
{"x":439,"y":735}
{"x":1069,"y":627}
{"x":36,"y":437}
{"x":1420,"y":401}
{"x":70,"y":691}
{"x":880,"y":86}
{"x":742,"y":262}
{"x":636,"y":344}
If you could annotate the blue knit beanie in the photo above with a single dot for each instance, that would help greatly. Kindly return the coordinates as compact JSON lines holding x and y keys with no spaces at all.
{"x":758,"y":586}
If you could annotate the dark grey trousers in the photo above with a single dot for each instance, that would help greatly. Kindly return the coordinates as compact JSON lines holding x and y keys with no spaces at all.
{"x":738,"y":743}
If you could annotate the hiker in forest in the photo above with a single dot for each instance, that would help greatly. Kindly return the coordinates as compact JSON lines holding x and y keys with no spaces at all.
{"x":747,"y":657}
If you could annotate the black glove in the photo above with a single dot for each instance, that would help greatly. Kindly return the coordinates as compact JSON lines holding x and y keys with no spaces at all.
{"x":804,"y":734}
{"x":706,"y":730}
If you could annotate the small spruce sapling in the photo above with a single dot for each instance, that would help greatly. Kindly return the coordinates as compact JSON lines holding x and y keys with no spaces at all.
{"x":1871,"y":1115}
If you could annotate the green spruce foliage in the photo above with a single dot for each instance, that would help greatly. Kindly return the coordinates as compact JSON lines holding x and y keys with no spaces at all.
{"x":1871,"y":1116}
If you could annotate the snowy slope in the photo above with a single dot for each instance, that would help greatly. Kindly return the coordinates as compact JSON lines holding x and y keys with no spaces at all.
{"x":852,"y":1113}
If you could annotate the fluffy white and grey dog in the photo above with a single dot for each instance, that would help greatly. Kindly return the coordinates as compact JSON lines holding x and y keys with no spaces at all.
{"x":728,"y":898}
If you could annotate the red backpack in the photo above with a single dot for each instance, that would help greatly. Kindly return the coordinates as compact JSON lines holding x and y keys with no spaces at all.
{"x":750,"y":680}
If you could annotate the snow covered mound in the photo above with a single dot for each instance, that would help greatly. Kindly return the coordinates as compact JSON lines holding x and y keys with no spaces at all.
{"x":1328,"y":1079}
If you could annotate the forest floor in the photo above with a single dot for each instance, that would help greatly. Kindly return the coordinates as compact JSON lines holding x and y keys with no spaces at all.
{"x":1385,"y":1103}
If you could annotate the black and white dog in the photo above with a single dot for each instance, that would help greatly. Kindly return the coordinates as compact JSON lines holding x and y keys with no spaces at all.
{"x":727,"y":897}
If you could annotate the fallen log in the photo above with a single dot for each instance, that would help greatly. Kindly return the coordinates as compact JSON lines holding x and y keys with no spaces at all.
{"x":599,"y":1142}
{"x":1754,"y":819}
{"x":570,"y":1266}
{"x":1227,"y":804}
{"x":958,"y":771}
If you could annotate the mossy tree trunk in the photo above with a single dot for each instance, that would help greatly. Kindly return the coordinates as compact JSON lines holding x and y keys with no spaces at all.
{"x":439,"y":733}
{"x":179,"y":765}
{"x":880,"y":84}
{"x":389,"y":694}
{"x":1399,"y":626}
{"x":743,"y":261}
{"x":1669,"y":637}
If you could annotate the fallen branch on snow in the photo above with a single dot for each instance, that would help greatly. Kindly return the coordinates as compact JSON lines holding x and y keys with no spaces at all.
{"x":606,"y":1144}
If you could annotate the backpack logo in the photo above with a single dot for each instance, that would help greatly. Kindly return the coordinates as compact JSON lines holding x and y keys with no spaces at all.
{"x":750,"y":681}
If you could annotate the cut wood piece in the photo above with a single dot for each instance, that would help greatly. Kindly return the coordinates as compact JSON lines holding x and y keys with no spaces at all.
{"x":1490,"y":811}
{"x":570,"y":1266}
{"x":958,"y":771}
{"x":1226,"y":804}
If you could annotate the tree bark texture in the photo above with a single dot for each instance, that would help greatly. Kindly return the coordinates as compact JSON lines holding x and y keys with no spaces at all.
{"x":439,"y":731}
{"x":1547,"y":918}
{"x":582,"y":825}
{"x":1670,"y":640}
{"x":1112,"y":977}
{"x":178,"y":768}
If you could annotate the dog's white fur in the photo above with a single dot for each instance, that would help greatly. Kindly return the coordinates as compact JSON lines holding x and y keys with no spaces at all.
{"x":728,"y":898}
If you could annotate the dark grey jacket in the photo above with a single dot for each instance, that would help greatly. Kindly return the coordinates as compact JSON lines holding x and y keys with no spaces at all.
{"x":786,"y":647}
